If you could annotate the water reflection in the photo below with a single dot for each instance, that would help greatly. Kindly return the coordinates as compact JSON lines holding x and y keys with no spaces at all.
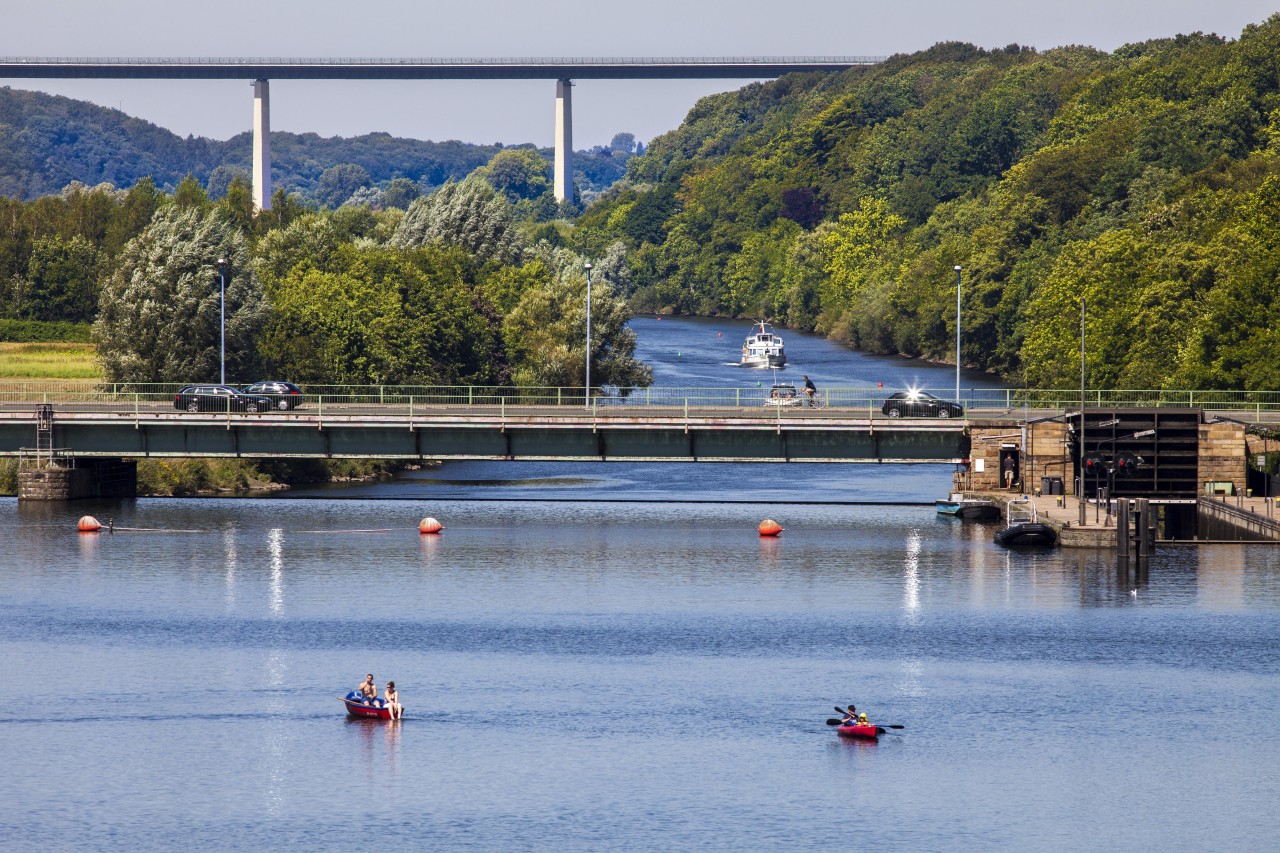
{"x":911,"y":575}
{"x":275,"y":544}
{"x":429,"y":545}
{"x":229,"y":562}
{"x":1220,"y":578}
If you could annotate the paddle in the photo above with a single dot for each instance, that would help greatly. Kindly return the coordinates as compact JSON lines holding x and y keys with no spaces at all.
{"x":831,"y":722}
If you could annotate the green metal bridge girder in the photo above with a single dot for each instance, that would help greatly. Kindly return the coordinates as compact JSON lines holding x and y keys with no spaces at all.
{"x":836,"y":442}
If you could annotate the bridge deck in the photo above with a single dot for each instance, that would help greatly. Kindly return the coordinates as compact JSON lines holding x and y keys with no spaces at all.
{"x":531,"y":433}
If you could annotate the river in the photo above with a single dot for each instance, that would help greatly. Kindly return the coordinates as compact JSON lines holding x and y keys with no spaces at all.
{"x":607,"y":656}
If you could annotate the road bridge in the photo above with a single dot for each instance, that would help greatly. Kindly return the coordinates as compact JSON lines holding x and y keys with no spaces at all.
{"x":563,"y":70}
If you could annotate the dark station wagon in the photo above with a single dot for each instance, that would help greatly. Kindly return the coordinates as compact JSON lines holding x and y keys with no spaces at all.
{"x":284,"y":395}
{"x":920,"y":404}
{"x":220,"y":398}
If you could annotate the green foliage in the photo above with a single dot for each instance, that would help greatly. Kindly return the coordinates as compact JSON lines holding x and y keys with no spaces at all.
{"x":159,"y":312}
{"x":1144,"y":181}
{"x":373,"y":315}
{"x":470,"y":215}
{"x":338,"y":183}
{"x":37,"y":331}
{"x":546,"y":332}
{"x":517,"y":173}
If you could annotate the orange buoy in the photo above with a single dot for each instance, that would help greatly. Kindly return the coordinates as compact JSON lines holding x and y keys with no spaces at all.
{"x":769,"y":527}
{"x":88,"y":524}
{"x":429,"y":525}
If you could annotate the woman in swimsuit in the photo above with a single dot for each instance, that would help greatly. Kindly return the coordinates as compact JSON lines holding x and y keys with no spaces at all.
{"x":392,"y":698}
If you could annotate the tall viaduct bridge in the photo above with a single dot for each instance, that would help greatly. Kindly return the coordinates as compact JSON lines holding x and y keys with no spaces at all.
{"x":562,"y":70}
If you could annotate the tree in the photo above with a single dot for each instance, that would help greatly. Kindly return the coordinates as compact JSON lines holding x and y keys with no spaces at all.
{"x":373,"y":315}
{"x":471,"y":215}
{"x":546,"y":331}
{"x":624,"y":142}
{"x":190,"y":194}
{"x":158,"y":315}
{"x":61,"y":280}
{"x":400,"y":193}
{"x":517,"y":173}
{"x":337,"y":183}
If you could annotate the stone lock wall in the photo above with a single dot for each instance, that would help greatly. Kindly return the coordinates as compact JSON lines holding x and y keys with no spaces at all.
{"x":1044,"y":454}
{"x":1222,"y":454}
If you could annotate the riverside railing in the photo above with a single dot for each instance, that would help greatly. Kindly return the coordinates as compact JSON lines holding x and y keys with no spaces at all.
{"x":744,"y":401}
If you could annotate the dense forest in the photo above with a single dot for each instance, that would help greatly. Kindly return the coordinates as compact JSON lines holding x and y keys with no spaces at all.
{"x":48,"y":142}
{"x":1146,"y":181}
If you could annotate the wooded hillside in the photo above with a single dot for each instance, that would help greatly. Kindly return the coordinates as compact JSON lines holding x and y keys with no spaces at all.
{"x":1146,"y":181}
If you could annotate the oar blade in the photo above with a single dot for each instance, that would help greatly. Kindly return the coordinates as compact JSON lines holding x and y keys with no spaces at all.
{"x":831,"y":722}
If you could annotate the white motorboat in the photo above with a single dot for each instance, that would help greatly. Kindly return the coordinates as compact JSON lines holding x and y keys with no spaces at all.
{"x":763,"y":347}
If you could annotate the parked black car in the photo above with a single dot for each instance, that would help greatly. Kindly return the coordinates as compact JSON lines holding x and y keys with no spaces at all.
{"x":284,"y":395}
{"x":920,"y":404}
{"x":220,"y":398}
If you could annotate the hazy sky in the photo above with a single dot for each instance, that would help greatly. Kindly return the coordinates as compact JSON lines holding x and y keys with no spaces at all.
{"x":522,"y":111}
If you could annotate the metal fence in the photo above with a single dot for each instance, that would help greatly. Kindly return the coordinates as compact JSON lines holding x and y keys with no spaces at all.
{"x":90,"y":396}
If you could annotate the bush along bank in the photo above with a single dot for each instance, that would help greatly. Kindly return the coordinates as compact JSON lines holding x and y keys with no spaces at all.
{"x":165,"y":478}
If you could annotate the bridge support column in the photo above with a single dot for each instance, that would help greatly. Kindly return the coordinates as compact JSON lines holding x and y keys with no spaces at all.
{"x":261,"y":145}
{"x":90,"y":478}
{"x":564,"y":140}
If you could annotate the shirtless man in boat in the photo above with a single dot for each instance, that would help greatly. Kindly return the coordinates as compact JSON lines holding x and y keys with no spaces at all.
{"x":368,"y":690}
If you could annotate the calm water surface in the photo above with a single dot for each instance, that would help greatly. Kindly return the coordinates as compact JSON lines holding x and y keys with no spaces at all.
{"x":608,"y":669}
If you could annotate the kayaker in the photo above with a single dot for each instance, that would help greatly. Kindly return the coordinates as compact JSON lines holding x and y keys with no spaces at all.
{"x":862,"y":719}
{"x":367,"y":690}
{"x":850,"y":717}
{"x":392,"y":699}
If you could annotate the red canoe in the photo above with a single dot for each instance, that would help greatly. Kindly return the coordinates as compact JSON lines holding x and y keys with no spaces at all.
{"x":368,"y":712}
{"x":871,"y":732}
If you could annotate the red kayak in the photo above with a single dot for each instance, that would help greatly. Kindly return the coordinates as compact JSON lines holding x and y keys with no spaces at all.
{"x":871,"y":732}
{"x":356,"y":708}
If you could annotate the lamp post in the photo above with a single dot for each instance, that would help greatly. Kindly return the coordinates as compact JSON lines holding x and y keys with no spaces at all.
{"x":1082,"y":446}
{"x":222,"y":320}
{"x":587,"y":390}
{"x":957,"y":333}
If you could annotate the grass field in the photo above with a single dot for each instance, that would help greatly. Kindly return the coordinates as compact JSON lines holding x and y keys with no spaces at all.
{"x":48,"y":361}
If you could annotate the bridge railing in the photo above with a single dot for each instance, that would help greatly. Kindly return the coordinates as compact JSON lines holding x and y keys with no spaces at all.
{"x":398,"y":400}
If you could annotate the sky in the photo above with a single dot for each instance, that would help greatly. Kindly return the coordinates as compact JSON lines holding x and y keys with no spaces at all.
{"x":513,"y":112}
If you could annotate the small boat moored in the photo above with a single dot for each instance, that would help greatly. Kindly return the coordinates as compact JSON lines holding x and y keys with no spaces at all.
{"x":357,"y":707}
{"x":1023,"y":527}
{"x":969,"y":509}
{"x":763,"y":348}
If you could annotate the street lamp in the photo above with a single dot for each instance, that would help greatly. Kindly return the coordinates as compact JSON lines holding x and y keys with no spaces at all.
{"x":957,"y":268}
{"x":222,"y":319}
{"x":587,"y":391}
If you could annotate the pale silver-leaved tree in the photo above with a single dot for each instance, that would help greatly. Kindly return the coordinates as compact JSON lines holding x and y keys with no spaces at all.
{"x":158,"y":311}
{"x":470,"y":214}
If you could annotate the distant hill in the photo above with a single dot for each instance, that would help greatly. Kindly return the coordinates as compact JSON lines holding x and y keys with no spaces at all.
{"x":48,"y":141}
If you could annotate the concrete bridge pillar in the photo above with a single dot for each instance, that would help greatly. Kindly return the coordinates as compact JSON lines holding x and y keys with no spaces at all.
{"x":89,"y":478}
{"x":564,"y":140}
{"x":261,"y":145}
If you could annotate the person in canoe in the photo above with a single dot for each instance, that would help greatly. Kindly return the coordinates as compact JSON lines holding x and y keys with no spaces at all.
{"x":862,"y":719}
{"x":367,"y":691}
{"x":850,"y":717}
{"x":392,"y":698}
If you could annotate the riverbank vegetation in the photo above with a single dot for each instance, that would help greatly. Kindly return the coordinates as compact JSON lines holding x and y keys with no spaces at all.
{"x":1145,"y":181}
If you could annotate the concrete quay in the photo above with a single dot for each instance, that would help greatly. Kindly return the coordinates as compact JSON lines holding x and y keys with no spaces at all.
{"x":1221,"y":519}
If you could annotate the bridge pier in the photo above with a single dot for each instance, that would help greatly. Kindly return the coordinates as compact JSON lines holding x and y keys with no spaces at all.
{"x":261,"y":145}
{"x":564,"y":140}
{"x":84,"y":478}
